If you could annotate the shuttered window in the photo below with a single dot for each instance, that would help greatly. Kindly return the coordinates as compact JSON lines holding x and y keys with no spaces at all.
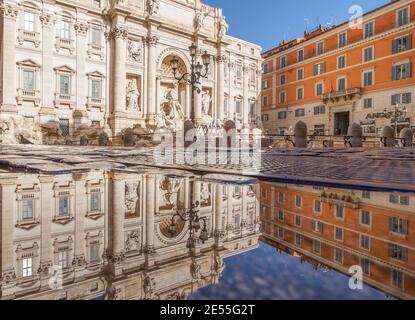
{"x":401,"y":71}
{"x":402,"y":44}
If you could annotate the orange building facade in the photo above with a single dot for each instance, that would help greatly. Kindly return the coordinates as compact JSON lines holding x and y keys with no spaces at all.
{"x":335,"y":76}
{"x":340,"y":229}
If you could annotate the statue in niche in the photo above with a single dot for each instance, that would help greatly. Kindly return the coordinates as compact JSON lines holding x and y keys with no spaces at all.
{"x":223,"y":27}
{"x":171,"y":115}
{"x":204,"y":193}
{"x":131,"y":197}
{"x":133,"y":96}
{"x":206,"y":100}
{"x":134,"y":50}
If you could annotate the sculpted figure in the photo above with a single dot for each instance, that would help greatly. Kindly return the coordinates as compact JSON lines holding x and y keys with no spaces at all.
{"x":133,"y":96}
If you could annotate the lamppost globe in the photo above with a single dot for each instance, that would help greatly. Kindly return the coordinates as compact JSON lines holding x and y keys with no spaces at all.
{"x":193,"y":50}
{"x":174,"y":63}
{"x":206,"y":58}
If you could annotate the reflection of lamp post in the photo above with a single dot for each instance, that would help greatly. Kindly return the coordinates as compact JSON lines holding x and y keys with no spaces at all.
{"x":192,"y":216}
{"x":193,"y":77}
{"x":399,"y":114}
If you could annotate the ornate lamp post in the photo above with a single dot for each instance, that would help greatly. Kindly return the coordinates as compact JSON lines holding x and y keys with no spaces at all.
{"x":192,"y":216}
{"x":197,"y":71}
{"x":399,"y":114}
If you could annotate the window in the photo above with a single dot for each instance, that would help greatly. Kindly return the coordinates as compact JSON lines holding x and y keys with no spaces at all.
{"x":402,"y":44}
{"x":320,"y":48}
{"x":319,"y":68}
{"x":238,"y":105}
{"x":265,"y":68}
{"x":300,"y":93}
{"x":95,"y":201}
{"x":403,"y":17}
{"x":265,"y":84}
{"x":63,"y":205}
{"x":281,"y":197}
{"x":367,"y":78}
{"x":339,"y":211}
{"x":298,"y":221}
{"x":264,"y":193}
{"x":369,"y":29}
{"x":28,"y":80}
{"x":341,"y":84}
{"x":317,"y":226}
{"x":96,"y":89}
{"x":366,"y":194}
{"x":342,"y":40}
{"x":399,"y":199}
{"x":63,"y":258}
{"x":338,"y":255}
{"x":401,"y":98}
{"x":397,"y":279}
{"x":317,"y":206}
{"x":368,"y":103}
{"x":283,"y":79}
{"x":365,"y":218}
{"x":319,"y":110}
{"x":316,"y":246}
{"x":398,"y":226}
{"x":94,"y":252}
{"x":338,"y":234}
{"x":319,"y":89}
{"x":64,"y":126}
{"x":300,"y":74}
{"x":282,"y":115}
{"x":280,"y":233}
{"x":298,"y":239}
{"x":237,"y":220}
{"x":300,"y":55}
{"x":96,"y":37}
{"x":299,"y":113}
{"x":365,"y":265}
{"x":27,"y":209}
{"x":341,"y":62}
{"x":368,"y":54}
{"x":283,"y":62}
{"x":364,"y":242}
{"x":282,"y":97}
{"x":29,"y":21}
{"x":397,"y":252}
{"x":27,"y":267}
{"x":281,"y":215}
{"x":401,"y":71}
{"x":65,"y":30}
{"x":264,"y":103}
{"x":64,"y":84}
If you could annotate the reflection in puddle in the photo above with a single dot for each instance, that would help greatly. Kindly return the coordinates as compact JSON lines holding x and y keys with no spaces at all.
{"x":122,"y":235}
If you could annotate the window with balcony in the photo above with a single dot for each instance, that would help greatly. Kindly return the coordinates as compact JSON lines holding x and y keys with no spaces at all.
{"x":27,"y":267}
{"x":27,"y":29}
{"x":28,"y":71}
{"x":28,"y":209}
{"x":94,"y":256}
{"x":63,"y":258}
{"x":95,"y":201}
{"x":95,"y":46}
{"x":402,"y":44}
{"x":64,"y":36}
{"x":64,"y":85}
{"x":401,"y":71}
{"x":29,"y":80}
{"x":63,"y":206}
{"x":28,"y":21}
{"x":95,"y":96}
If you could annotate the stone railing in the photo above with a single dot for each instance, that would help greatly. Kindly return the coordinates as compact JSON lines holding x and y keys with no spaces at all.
{"x":336,"y":96}
{"x":28,"y":95}
{"x":95,"y":103}
{"x":65,"y":44}
{"x":95,"y":50}
{"x":30,"y":36}
{"x":66,"y":99}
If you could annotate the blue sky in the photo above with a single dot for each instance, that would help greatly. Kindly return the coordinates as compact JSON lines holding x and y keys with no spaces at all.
{"x":267,"y":22}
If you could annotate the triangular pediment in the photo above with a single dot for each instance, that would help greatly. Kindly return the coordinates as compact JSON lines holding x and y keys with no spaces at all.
{"x":65,"y":68}
{"x":28,"y":62}
{"x":96,"y":74}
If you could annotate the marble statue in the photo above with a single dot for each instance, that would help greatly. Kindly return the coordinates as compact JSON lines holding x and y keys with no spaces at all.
{"x":153,"y":7}
{"x":206,"y":100}
{"x":131,"y":197}
{"x":134,"y":50}
{"x":171,"y":115}
{"x":205,"y":193}
{"x":133,"y":96}
{"x":223,"y":27}
{"x":170,"y":188}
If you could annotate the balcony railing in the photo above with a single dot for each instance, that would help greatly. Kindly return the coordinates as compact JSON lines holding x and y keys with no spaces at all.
{"x":64,"y":99}
{"x":28,"y":95}
{"x":95,"y":103}
{"x":65,"y":44}
{"x":30,"y":36}
{"x":341,"y":95}
{"x":95,"y":50}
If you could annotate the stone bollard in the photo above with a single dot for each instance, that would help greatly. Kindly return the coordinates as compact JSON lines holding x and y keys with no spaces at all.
{"x":388,"y":137}
{"x":300,"y":135}
{"x":406,"y":137}
{"x":103,"y":140}
{"x":355,"y":134}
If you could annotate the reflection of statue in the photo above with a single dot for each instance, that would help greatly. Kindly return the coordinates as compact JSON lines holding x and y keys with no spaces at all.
{"x":204,"y":193}
{"x":206,"y":100}
{"x":195,"y":270}
{"x":170,"y":188}
{"x":171,"y":116}
{"x":131,"y":197}
{"x":133,"y":96}
{"x":134,"y":50}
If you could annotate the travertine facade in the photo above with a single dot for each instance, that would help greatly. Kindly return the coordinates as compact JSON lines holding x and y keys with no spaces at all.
{"x":109,"y":232}
{"x":99,"y":62}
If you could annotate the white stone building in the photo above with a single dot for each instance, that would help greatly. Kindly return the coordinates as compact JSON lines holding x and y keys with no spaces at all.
{"x":107,"y":62}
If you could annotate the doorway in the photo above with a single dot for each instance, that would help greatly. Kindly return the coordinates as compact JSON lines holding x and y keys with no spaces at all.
{"x":341,"y":123}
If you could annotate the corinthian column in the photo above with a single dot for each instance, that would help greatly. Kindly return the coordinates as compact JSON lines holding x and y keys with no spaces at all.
{"x":118,"y":212}
{"x":221,"y":59}
{"x":151,"y":42}
{"x":80,"y":114}
{"x":8,"y":98}
{"x":150,"y":213}
{"x":119,"y":33}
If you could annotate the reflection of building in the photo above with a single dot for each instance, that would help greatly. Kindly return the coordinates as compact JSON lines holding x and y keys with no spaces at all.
{"x":337,"y":75}
{"x":109,"y":232}
{"x":343,"y":228}
{"x":109,"y":63}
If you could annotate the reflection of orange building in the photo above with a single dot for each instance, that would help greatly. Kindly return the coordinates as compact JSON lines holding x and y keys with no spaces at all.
{"x":343,"y":228}
{"x":347,"y":73}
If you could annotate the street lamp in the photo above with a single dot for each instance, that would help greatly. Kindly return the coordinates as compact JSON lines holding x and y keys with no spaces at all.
{"x":197,"y":71}
{"x":192,"y":216}
{"x":399,"y":114}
